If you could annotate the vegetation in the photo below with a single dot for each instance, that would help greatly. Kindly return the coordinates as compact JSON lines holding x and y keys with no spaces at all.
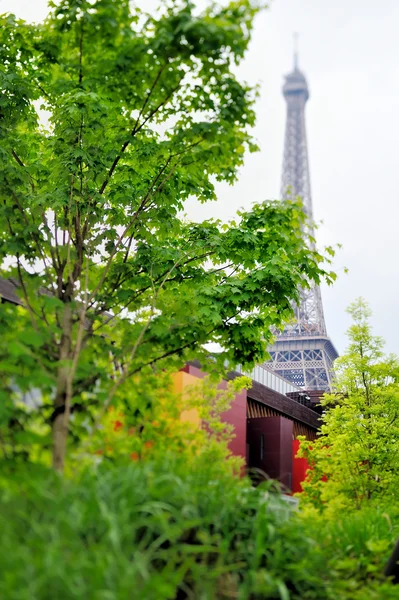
{"x":110,"y":120}
{"x":157,"y":530}
{"x":355,"y":460}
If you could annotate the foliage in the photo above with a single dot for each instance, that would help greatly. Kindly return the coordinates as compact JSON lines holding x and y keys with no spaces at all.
{"x":160,"y":530}
{"x":356,"y":547}
{"x":150,"y":422}
{"x":109,"y":120}
{"x":149,"y":419}
{"x":355,"y":460}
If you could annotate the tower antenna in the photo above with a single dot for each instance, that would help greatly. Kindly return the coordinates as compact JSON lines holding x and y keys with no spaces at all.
{"x":296,"y":39}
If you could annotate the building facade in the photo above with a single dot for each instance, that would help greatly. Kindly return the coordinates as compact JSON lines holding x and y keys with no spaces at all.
{"x":267,"y":420}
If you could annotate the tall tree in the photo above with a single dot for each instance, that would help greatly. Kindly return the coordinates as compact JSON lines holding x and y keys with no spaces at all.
{"x":109,"y":120}
{"x":356,"y":457}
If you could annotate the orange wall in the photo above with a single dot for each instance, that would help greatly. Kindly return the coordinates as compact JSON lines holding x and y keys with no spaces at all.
{"x":181,"y":384}
{"x":236,"y":415}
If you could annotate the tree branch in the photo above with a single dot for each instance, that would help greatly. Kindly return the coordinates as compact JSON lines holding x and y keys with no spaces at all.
{"x":154,"y":84}
{"x":146,"y":288}
{"x":125,"y":373}
{"x":77,"y":349}
{"x":81,"y":53}
{"x":136,"y":129}
{"x":19,"y":161}
{"x":21,"y":164}
{"x":30,"y":308}
{"x":129,"y":225}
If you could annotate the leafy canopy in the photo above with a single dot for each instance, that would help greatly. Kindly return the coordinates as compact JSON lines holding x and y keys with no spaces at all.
{"x":110,"y":119}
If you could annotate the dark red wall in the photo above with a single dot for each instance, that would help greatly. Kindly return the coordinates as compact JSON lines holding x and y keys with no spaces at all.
{"x":236,"y":415}
{"x":280,"y":448}
{"x":277,"y":439}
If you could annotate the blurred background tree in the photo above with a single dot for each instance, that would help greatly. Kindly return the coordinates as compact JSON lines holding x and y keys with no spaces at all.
{"x":355,"y":459}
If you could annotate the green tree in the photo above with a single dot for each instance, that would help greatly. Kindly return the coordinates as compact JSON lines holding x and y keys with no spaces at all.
{"x":356,"y":458}
{"x":109,"y":120}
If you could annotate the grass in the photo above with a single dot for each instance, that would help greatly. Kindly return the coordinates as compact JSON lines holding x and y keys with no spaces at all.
{"x":163,"y":530}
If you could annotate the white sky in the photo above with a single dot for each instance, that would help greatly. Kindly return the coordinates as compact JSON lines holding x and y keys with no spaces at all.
{"x":348,"y":51}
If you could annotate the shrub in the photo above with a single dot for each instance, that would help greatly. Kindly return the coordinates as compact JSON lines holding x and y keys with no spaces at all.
{"x":159,"y":530}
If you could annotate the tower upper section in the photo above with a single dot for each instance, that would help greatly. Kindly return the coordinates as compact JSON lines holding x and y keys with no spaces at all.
{"x":295,"y":86}
{"x":295,"y":180}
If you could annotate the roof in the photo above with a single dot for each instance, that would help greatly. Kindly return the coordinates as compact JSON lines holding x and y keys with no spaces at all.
{"x":8,"y":293}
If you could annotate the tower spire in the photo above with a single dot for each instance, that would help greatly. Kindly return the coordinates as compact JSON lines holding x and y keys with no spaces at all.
{"x":296,"y":38}
{"x":302,"y":353}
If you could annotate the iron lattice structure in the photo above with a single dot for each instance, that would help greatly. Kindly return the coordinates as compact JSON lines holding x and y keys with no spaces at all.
{"x":302,"y":353}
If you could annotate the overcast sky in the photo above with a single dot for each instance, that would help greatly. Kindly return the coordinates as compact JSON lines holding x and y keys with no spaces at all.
{"x":349,"y":54}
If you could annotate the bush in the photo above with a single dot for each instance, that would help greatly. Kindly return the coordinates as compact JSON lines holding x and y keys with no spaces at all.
{"x":356,"y":546}
{"x":158,"y":531}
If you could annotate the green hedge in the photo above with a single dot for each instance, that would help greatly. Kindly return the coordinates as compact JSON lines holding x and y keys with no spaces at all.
{"x":162,"y":531}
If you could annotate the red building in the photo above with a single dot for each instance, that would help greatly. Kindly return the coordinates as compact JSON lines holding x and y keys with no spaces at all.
{"x":267,"y":420}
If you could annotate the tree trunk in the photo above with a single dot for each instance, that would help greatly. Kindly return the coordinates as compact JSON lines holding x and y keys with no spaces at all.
{"x":60,"y":423}
{"x":60,"y":436}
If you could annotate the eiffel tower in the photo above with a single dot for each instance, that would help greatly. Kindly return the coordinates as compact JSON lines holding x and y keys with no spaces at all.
{"x":303,"y":353}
